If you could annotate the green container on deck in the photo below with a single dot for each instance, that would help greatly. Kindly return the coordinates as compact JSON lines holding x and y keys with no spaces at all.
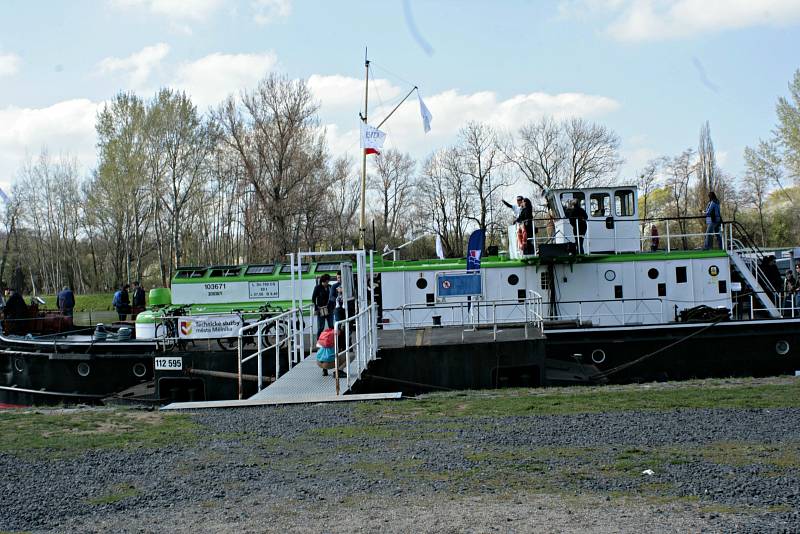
{"x":160,"y":296}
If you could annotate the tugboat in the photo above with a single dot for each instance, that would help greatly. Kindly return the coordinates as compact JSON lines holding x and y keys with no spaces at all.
{"x":616,"y":308}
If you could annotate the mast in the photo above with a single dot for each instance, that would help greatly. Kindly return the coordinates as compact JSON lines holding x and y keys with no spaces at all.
{"x":362,"y":225}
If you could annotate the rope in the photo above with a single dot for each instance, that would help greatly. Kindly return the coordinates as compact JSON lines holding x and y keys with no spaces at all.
{"x":613,"y":370}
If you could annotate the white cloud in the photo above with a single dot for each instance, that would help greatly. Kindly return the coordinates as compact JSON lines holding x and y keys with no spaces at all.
{"x":645,"y":20}
{"x":196,"y":10}
{"x":210,"y":79}
{"x":66,"y":126}
{"x":9,"y":64}
{"x":138,"y":66}
{"x":268,"y":11}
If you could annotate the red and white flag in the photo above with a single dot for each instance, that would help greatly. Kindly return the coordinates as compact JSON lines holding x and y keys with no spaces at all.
{"x":371,"y":139}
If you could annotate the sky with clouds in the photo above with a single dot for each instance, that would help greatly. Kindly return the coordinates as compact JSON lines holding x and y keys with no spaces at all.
{"x":652,"y":70}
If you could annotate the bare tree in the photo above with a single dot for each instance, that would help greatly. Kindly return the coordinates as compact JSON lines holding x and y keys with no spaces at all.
{"x":762,"y":169}
{"x":648,"y":181}
{"x":274,"y":130}
{"x":343,"y":203}
{"x":707,"y":171}
{"x":679,"y":173}
{"x":444,"y":201}
{"x":393,"y":184}
{"x":592,"y":153}
{"x":478,"y":159}
{"x":540,"y":154}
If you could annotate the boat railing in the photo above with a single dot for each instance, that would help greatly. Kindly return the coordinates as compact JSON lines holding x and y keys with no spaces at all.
{"x":672,"y":234}
{"x":281,"y":333}
{"x":360,"y":345}
{"x":472,"y":314}
{"x":589,"y":310}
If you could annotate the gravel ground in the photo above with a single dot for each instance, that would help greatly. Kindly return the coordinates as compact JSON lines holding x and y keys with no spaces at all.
{"x":330,"y":468}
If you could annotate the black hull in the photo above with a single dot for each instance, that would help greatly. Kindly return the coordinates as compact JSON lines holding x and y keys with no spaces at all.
{"x":28,"y":378}
{"x":673,"y":352}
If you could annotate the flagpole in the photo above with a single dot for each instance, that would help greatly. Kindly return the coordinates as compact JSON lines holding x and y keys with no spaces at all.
{"x":362,"y":227}
{"x":397,"y":106}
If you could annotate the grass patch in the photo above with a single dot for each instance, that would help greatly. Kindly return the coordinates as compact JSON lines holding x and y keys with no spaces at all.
{"x":115,"y":494}
{"x":61,"y":433}
{"x":86,"y":302}
{"x":572,"y":400}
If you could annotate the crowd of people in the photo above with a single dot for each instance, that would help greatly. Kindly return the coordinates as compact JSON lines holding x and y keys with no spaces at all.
{"x":578,"y":220}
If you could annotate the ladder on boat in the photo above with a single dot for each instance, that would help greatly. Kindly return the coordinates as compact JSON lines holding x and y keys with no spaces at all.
{"x":750,"y":276}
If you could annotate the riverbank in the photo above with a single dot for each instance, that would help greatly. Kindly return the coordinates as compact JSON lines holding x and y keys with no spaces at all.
{"x":716,"y":455}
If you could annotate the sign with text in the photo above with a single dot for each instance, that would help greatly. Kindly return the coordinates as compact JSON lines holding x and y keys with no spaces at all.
{"x":263,"y":290}
{"x":458,"y":285}
{"x":209,"y":327}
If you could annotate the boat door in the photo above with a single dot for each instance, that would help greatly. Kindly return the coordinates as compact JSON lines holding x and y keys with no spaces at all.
{"x":600,"y":224}
{"x":612,"y":225}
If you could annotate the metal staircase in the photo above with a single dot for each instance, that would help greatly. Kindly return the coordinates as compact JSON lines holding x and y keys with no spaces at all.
{"x":746,"y":258}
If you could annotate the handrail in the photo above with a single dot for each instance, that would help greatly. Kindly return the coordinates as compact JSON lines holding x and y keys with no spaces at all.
{"x":291,"y":323}
{"x":364,"y":345}
{"x":530,"y":306}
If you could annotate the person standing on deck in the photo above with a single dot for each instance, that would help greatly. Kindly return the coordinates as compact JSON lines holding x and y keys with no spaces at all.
{"x":66,"y":301}
{"x":577,"y":219}
{"x":525,"y":220}
{"x":139,"y":300}
{"x":122,"y":302}
{"x":516,"y":209}
{"x":320,"y":299}
{"x":713,"y":221}
{"x":333,"y":292}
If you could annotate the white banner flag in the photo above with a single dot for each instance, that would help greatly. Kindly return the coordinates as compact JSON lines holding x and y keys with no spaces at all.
{"x":426,"y":115}
{"x":439,"y":247}
{"x":371,"y":139}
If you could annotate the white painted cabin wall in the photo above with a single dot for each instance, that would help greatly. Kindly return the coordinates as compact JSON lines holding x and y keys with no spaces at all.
{"x":585,"y":282}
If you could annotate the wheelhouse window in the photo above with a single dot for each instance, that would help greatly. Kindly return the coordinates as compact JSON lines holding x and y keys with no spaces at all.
{"x":599,"y":205}
{"x":570,"y":195}
{"x":624,"y":203}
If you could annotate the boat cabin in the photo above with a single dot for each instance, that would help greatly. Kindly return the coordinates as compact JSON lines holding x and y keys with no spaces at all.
{"x":612,"y":224}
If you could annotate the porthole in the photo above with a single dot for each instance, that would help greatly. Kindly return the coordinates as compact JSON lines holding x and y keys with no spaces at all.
{"x":782,"y":347}
{"x":139,"y":370}
{"x":84,"y":369}
{"x":513,"y":279}
{"x":422,"y":283}
{"x":652,"y":273}
{"x":598,"y":356}
{"x":610,"y":275}
{"x":19,"y":365}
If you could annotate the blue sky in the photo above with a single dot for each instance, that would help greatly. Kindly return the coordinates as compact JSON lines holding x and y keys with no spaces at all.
{"x":652,"y":70}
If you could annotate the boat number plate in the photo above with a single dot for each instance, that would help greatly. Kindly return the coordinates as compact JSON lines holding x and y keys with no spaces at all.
{"x":169,"y":364}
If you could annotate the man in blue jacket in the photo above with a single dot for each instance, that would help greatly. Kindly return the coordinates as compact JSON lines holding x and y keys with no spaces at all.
{"x":713,"y":221}
{"x":66,"y":301}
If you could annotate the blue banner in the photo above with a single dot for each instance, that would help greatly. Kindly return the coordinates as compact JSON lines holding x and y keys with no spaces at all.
{"x":474,"y":250}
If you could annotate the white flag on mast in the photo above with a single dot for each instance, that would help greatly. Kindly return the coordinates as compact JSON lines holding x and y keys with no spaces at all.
{"x":439,"y":247}
{"x":426,"y":114}
{"x":371,"y":139}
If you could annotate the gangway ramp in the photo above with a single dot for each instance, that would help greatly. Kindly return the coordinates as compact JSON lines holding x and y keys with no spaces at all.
{"x":282,"y":336}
